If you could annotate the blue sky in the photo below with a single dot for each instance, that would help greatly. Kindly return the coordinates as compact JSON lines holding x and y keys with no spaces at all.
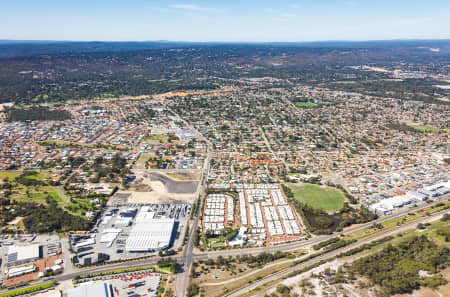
{"x":227,"y":20}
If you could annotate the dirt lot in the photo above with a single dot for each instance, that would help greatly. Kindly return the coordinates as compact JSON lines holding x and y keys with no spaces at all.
{"x":173,"y":186}
{"x":157,"y":187}
{"x":185,"y":175}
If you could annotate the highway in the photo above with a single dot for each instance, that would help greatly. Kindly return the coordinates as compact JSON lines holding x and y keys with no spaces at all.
{"x":189,"y":256}
{"x":285,"y":272}
{"x":300,"y":244}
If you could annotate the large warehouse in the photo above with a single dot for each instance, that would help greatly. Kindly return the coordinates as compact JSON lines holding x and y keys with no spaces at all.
{"x":150,"y":232}
{"x":22,"y":254}
{"x":91,"y":290}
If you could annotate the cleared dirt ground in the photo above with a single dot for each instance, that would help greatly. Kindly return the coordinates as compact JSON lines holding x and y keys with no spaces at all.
{"x":157,"y":187}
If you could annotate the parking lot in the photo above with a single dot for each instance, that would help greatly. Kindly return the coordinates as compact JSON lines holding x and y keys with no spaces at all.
{"x":131,"y":284}
{"x":107,"y":240}
{"x":145,"y":284}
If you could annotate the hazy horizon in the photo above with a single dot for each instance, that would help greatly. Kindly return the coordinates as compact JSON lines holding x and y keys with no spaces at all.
{"x":226,"y":42}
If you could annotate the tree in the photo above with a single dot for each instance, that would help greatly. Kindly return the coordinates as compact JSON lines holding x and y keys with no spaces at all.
{"x":193,"y":290}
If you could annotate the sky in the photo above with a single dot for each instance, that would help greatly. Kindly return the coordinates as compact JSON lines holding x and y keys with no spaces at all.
{"x":226,"y":20}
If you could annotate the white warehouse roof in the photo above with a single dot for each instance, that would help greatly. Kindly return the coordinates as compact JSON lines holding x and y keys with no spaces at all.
{"x":90,"y":290}
{"x":149,"y":234}
{"x":389,"y":204}
{"x":23,"y":253}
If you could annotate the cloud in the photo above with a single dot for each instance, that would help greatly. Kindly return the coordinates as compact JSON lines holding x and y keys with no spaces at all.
{"x":193,"y":7}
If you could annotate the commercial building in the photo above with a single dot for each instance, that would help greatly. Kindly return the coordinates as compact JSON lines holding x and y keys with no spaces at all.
{"x":109,"y":235}
{"x":21,"y":270}
{"x":99,"y":289}
{"x":18,"y":255}
{"x":386,"y":206}
{"x":417,"y":196}
{"x":149,"y":233}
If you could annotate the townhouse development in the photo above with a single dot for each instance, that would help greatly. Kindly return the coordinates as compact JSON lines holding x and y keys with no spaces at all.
{"x":260,"y":211}
{"x":240,"y":144}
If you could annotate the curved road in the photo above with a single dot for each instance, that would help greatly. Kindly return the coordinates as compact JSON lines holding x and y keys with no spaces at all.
{"x":188,"y":256}
{"x":285,"y":272}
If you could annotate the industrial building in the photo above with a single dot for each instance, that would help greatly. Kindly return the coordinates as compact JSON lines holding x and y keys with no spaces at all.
{"x":99,"y":289}
{"x":21,"y":270}
{"x":18,"y":255}
{"x":150,"y":233}
{"x":109,"y":235}
{"x":386,"y":206}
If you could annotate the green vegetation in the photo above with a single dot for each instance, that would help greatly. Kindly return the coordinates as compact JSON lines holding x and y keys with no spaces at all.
{"x":218,"y":245}
{"x":41,"y":218}
{"x":425,"y":129}
{"x":158,"y":137}
{"x":30,"y":186}
{"x":105,"y":75}
{"x":62,"y":144}
{"x":110,"y":170}
{"x":258,"y":261}
{"x":338,"y":244}
{"x":325,"y":198}
{"x":395,"y":222}
{"x":406,"y":89}
{"x":219,"y":240}
{"x":38,"y":113}
{"x":325,"y":243}
{"x":413,"y":128}
{"x":80,"y":206}
{"x":119,"y":271}
{"x":193,"y":290}
{"x":365,"y":246}
{"x":195,"y":208}
{"x":305,"y":104}
{"x":440,"y":231}
{"x":160,"y":163}
{"x":321,"y":222}
{"x":28,"y":290}
{"x":329,"y":247}
{"x":396,"y":268}
{"x":35,"y":196}
{"x":169,"y":264}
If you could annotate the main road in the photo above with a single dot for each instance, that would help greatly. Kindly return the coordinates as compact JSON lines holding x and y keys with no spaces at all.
{"x":189,"y":256}
{"x":283,"y":273}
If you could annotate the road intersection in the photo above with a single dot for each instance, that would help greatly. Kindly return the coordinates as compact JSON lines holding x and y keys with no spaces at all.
{"x":189,"y":255}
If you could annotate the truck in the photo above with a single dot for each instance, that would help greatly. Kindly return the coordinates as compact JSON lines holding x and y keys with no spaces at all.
{"x":136,"y":285}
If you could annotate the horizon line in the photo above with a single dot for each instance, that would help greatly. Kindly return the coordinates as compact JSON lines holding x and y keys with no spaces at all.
{"x":229,"y":41}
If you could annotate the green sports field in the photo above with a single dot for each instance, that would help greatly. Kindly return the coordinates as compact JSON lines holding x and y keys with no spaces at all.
{"x":326,"y":198}
{"x":425,"y":129}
